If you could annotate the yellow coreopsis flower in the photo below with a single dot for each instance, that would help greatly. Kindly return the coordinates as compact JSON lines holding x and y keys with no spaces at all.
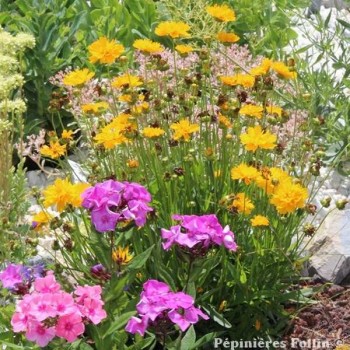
{"x":288,"y":197}
{"x":282,"y":70}
{"x":224,"y":121}
{"x":40,"y":219}
{"x":184,"y":49}
{"x":132,"y":163}
{"x":78,"y":77}
{"x":252,"y":111}
{"x":150,"y":132}
{"x":127,"y":81}
{"x":259,"y":220}
{"x":222,"y":13}
{"x":121,"y":256}
{"x":242,"y":204}
{"x":269,"y":178}
{"x":225,"y":37}
{"x":256,"y":138}
{"x":148,"y":46}
{"x":183,"y":129}
{"x":274,"y":110}
{"x":173,"y":29}
{"x":262,"y":69}
{"x":245,"y":80}
{"x":67,"y":134}
{"x":58,"y":194}
{"x":54,"y":150}
{"x":105,"y":51}
{"x":244,"y":172}
{"x":76,"y":191}
{"x":95,"y":107}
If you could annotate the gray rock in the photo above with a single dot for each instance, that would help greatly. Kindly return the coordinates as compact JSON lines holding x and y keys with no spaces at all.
{"x":338,"y":4}
{"x":330,"y":248}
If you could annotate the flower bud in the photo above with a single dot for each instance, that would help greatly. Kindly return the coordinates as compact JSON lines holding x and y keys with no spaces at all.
{"x":326,"y":202}
{"x":341,"y":203}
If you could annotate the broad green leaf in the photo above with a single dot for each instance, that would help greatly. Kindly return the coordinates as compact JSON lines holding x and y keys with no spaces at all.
{"x":189,"y":339}
{"x":119,"y":322}
{"x":216,"y":316}
{"x":140,"y":260}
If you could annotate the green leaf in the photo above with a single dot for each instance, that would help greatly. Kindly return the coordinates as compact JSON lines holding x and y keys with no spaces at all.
{"x":243,"y":277}
{"x":204,"y":340}
{"x":344,"y":23}
{"x":216,"y":316}
{"x":188,"y":340}
{"x":119,"y":323}
{"x":140,"y":260}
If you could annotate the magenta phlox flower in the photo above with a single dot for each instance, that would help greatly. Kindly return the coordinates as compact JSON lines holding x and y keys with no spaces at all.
{"x":48,"y":311}
{"x":39,"y":333}
{"x":111,"y":202}
{"x":159,"y":306}
{"x":11,"y":276}
{"x":198,"y":232}
{"x":70,"y":327}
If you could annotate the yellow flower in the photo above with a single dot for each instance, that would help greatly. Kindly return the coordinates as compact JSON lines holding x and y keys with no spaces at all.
{"x":76,"y":191}
{"x":282,"y":70}
{"x":225,"y":37}
{"x":105,"y":51}
{"x":173,"y":29}
{"x":222,"y":13}
{"x":183,"y":129}
{"x":262,"y":69}
{"x":242,"y":204}
{"x":54,"y":150}
{"x":245,"y":173}
{"x":125,"y":98}
{"x":40,"y":219}
{"x":288,"y":197}
{"x":259,"y":220}
{"x":152,"y":132}
{"x":121,"y":256}
{"x":62,"y":193}
{"x":245,"y":80}
{"x":115,"y":133}
{"x":224,"y":121}
{"x":256,"y":138}
{"x":274,"y":110}
{"x":132,"y":163}
{"x":183,"y":49}
{"x":148,"y":46}
{"x":67,"y":134}
{"x":78,"y":77}
{"x":95,"y":107}
{"x":139,"y":108}
{"x":126,"y":81}
{"x":252,"y":111}
{"x":269,"y":179}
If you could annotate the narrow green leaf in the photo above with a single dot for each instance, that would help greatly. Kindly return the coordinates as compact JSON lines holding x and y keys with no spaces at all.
{"x":140,"y":260}
{"x":216,"y":316}
{"x":119,"y":322}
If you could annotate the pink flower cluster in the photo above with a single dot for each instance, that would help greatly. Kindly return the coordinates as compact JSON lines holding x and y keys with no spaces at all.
{"x":160,"y":306}
{"x":204,"y":231}
{"x":48,"y":311}
{"x":111,"y":202}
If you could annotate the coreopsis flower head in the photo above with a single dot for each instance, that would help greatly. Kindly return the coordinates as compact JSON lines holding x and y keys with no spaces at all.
{"x":259,"y":220}
{"x":105,"y":51}
{"x":63,"y":193}
{"x":48,"y":311}
{"x":121,"y":256}
{"x":227,"y":38}
{"x":269,"y":178}
{"x":282,"y":70}
{"x":148,"y":46}
{"x":222,"y":13}
{"x":78,"y":77}
{"x":245,"y":80}
{"x":224,"y":122}
{"x":158,"y":305}
{"x":242,"y":204}
{"x":126,"y":81}
{"x":67,"y":134}
{"x":257,"y":138}
{"x":198,"y":231}
{"x":184,"y":49}
{"x":244,"y":172}
{"x":262,"y":69}
{"x":151,"y":132}
{"x":184,"y":129}
{"x":274,"y":110}
{"x":111,"y":202}
{"x":252,"y":111}
{"x":54,"y":150}
{"x":288,"y":197}
{"x":40,"y":219}
{"x":173,"y":29}
{"x":95,"y":107}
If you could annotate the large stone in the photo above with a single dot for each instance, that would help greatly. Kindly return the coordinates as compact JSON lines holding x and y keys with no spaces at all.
{"x":330,"y":248}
